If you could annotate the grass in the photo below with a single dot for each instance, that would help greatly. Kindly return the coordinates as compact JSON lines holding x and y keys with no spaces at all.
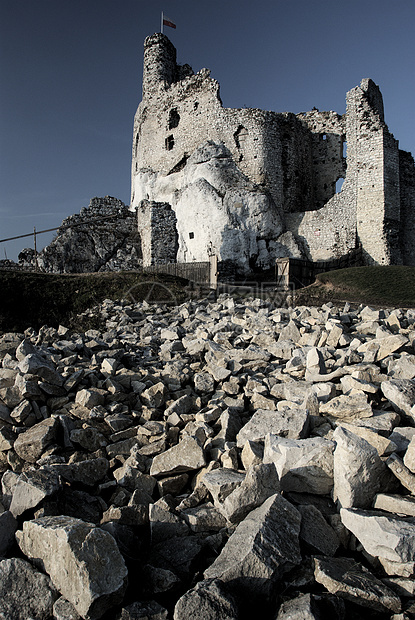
{"x":392,"y":286}
{"x":36,"y":299}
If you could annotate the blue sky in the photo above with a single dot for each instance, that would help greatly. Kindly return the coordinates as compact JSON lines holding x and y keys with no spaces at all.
{"x":70,"y":82}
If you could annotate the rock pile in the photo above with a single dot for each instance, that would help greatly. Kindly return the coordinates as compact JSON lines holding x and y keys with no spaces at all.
{"x":208,"y":461}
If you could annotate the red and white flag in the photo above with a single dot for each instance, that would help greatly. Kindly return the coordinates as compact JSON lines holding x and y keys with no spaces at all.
{"x":168,"y":22}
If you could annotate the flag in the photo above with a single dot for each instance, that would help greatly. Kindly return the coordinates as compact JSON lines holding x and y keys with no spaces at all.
{"x":168,"y":22}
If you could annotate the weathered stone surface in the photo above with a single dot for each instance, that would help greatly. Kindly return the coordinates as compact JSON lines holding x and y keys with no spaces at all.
{"x":303,"y":465}
{"x":352,"y":581}
{"x":64,"y":610}
{"x":24,"y":592}
{"x":221,"y":482}
{"x":31,"y":444}
{"x":359,"y":472}
{"x":261,"y":481}
{"x":388,"y":537}
{"x":88,"y":472}
{"x":31,"y":488}
{"x":146,"y":610}
{"x":291,"y":423}
{"x":395,"y":504}
{"x":208,"y":600}
{"x":311,"y":607}
{"x":204,"y":518}
{"x":347,"y":407}
{"x":316,"y":532}
{"x":62,"y":546}
{"x":401,"y":394}
{"x":165,"y":524}
{"x":404,"y":475}
{"x":262,"y":548}
{"x":104,"y":235}
{"x":187,"y":455}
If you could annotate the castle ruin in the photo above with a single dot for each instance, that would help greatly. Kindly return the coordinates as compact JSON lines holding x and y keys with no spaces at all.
{"x":251,"y":186}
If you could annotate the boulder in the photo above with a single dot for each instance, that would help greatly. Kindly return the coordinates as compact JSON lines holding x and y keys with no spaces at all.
{"x":303,"y":465}
{"x":187,"y":455}
{"x":208,"y":600}
{"x":359,"y":472}
{"x":353,"y":582}
{"x":31,"y":444}
{"x":63,"y":546}
{"x":391,"y":538}
{"x":291,"y":423}
{"x":25,"y":593}
{"x":263,"y":547}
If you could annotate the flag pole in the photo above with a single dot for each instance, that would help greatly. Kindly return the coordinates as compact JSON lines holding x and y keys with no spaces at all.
{"x":162,"y":22}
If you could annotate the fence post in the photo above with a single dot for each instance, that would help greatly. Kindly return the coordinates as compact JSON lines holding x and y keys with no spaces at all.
{"x":35,"y":247}
{"x":213,"y":276}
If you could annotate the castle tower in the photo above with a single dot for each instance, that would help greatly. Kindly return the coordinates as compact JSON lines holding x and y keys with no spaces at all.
{"x":373,"y":167}
{"x":159,"y":63}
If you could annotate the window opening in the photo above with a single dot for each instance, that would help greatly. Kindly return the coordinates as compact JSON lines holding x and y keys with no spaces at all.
{"x":169,"y":142}
{"x":191,"y":235}
{"x":174,"y":118}
{"x":339,"y":184}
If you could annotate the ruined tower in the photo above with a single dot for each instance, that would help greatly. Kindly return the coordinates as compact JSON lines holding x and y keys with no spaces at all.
{"x":251,"y":186}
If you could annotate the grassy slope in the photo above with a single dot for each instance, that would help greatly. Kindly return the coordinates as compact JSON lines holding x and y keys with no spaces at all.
{"x":381,"y":286}
{"x":36,"y":299}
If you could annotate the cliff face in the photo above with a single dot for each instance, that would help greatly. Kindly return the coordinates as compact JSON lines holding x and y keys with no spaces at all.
{"x":102,"y":237}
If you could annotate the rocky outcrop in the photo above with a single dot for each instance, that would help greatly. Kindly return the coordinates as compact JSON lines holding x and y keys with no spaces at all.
{"x":102,"y":237}
{"x":212,"y":460}
{"x":219,"y":210}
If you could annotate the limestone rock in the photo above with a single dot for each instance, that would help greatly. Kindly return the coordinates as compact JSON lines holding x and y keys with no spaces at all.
{"x":291,"y":423}
{"x":263,"y":547}
{"x":187,"y":455}
{"x":31,"y":488}
{"x":401,"y":394}
{"x":352,"y":581}
{"x":395,"y":504}
{"x":102,"y":237}
{"x":31,"y":444}
{"x":347,"y":407}
{"x":316,"y":532}
{"x":359,"y":472}
{"x":208,"y":600}
{"x":391,"y":538}
{"x":24,"y":592}
{"x":62,"y":546}
{"x":146,"y":610}
{"x":312,"y":607}
{"x":303,"y":465}
{"x":261,"y":481}
{"x":204,"y":518}
{"x":221,"y":482}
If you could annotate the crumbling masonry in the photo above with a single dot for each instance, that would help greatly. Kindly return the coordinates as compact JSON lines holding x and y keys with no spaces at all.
{"x":251,"y":186}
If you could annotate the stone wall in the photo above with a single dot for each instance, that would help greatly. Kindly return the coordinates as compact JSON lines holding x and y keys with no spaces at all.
{"x":157,"y":228}
{"x":407,"y":198}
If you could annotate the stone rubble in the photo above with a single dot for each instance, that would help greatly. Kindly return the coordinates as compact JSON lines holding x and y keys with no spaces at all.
{"x":212,"y":460}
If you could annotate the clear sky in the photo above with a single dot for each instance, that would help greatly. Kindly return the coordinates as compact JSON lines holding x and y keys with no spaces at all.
{"x":70,"y":82}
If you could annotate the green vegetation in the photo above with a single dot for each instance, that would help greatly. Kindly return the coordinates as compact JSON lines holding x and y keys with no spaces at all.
{"x":36,"y":299}
{"x":381,"y":286}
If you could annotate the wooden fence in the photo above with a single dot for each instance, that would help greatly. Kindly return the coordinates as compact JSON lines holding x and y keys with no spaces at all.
{"x":199,"y":272}
{"x":301,"y":272}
